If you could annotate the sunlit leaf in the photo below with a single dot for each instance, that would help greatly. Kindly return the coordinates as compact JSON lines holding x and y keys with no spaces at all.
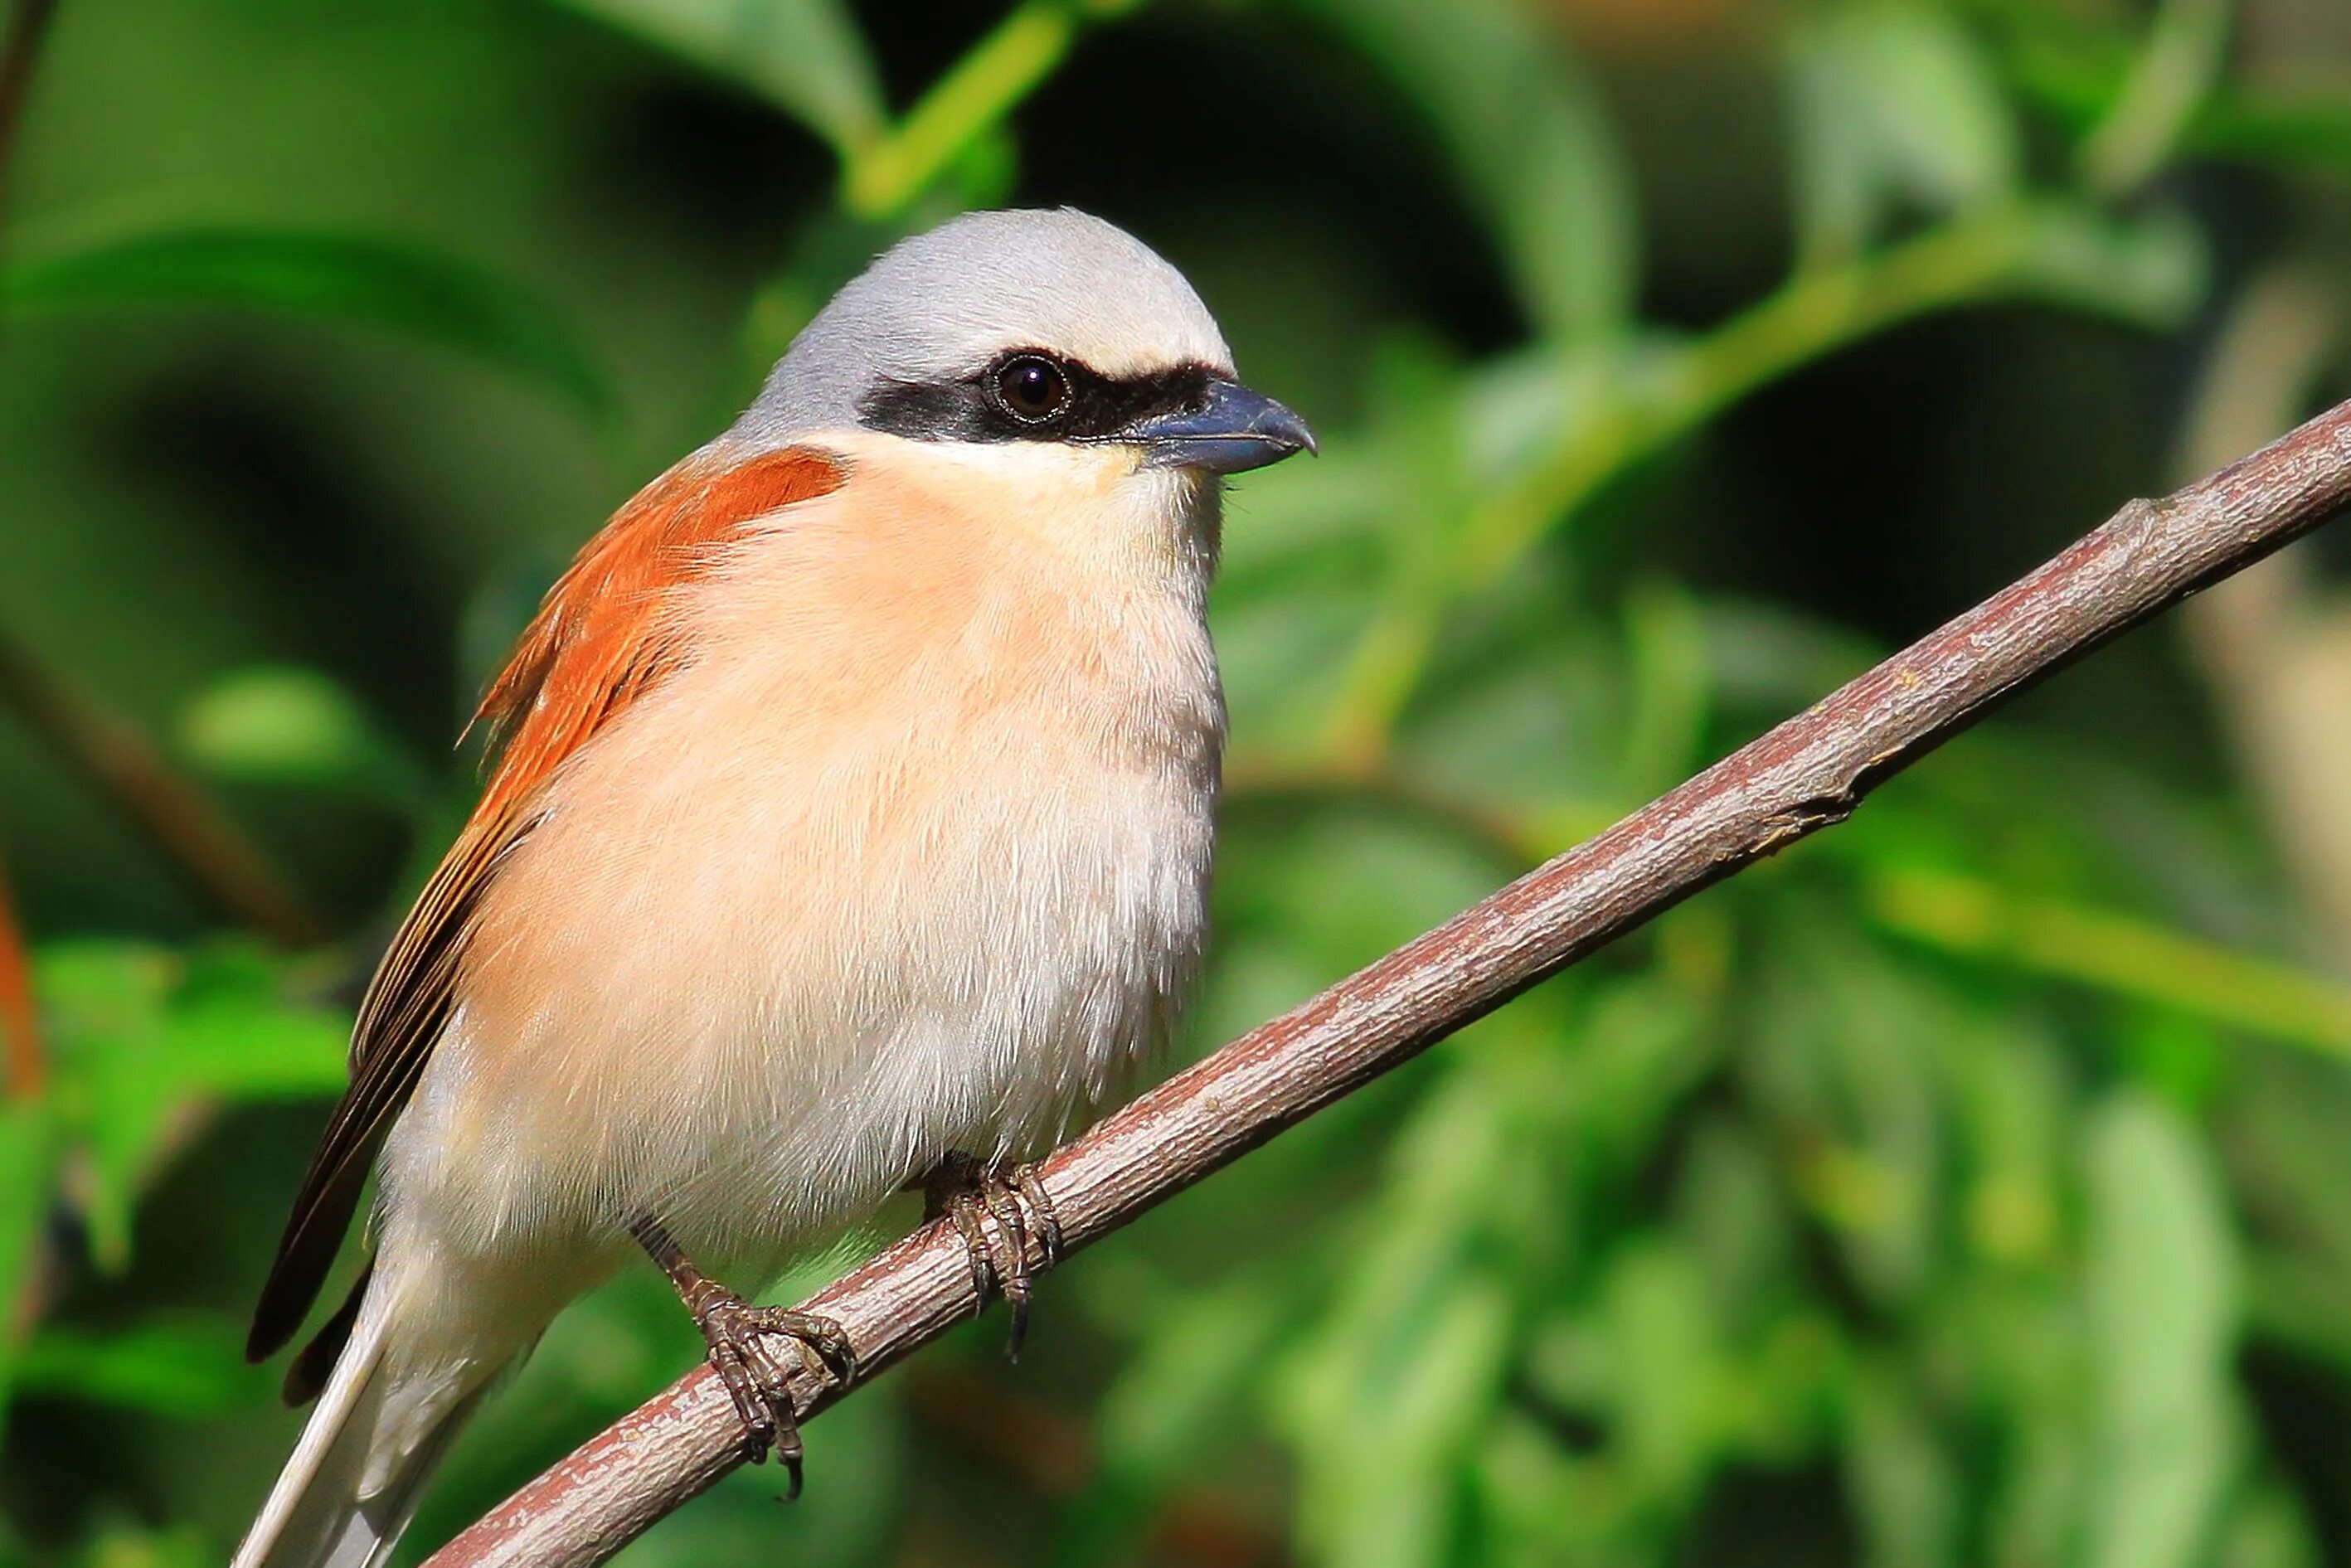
{"x":1893,"y":106}
{"x":378,"y":283}
{"x":2183,"y":57}
{"x":108,"y":1007}
{"x":1664,"y":1356}
{"x":2161,"y":1295}
{"x":185,"y":1370}
{"x":285,"y":726}
{"x":116,"y":1542}
{"x":143,"y":1035}
{"x":2131,"y":957}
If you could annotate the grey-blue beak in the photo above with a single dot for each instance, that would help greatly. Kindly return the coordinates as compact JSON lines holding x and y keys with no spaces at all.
{"x":1233,"y":431}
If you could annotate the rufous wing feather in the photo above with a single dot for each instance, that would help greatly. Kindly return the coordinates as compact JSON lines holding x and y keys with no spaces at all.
{"x":605,"y":635}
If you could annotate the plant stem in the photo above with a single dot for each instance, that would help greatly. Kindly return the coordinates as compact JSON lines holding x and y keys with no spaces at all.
{"x":196,"y":837}
{"x":2121,"y":956}
{"x":2167,"y":86}
{"x":975,"y":95}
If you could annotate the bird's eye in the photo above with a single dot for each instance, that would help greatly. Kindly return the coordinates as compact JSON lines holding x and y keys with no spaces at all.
{"x":1033,"y":389}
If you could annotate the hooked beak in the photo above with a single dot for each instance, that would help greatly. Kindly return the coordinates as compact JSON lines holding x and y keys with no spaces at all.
{"x":1233,"y":431}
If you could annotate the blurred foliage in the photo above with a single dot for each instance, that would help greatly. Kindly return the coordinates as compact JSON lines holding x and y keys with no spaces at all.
{"x":1972,"y":1186}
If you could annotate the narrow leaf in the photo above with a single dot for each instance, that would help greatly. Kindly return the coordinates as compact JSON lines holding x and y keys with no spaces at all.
{"x":2162,"y":1299}
{"x":806,"y":57}
{"x":187,"y":1371}
{"x":1891,"y":105}
{"x":436,"y":299}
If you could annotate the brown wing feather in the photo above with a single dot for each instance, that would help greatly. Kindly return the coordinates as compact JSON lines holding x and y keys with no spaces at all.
{"x":602,"y":638}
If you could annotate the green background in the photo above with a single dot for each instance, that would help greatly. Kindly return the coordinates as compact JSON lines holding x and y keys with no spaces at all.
{"x":1969,"y":1184}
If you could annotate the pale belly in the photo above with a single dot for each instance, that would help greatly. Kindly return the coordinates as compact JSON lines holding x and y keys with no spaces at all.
{"x":757,"y":1003}
{"x":910,"y":858}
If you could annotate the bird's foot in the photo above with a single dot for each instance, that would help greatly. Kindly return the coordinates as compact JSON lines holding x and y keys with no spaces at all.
{"x":997,"y":1209}
{"x":742,"y":1352}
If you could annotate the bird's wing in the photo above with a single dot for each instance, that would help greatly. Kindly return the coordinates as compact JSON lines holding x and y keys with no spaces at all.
{"x":604,"y":636}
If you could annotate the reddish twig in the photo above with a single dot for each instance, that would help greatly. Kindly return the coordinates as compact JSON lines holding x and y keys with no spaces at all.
{"x":1809,"y":773}
{"x":23,"y":1064}
{"x":202,"y":844}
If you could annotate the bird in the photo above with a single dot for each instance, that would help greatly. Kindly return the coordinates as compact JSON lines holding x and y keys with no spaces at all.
{"x":847,"y":829}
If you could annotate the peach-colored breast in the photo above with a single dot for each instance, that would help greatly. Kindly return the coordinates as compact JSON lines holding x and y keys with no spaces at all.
{"x":908,"y":854}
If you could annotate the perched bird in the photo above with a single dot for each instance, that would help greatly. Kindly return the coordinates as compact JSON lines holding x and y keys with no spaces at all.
{"x":849,"y":828}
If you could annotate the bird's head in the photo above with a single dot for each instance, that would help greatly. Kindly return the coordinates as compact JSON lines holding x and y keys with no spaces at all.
{"x":1039,"y":327}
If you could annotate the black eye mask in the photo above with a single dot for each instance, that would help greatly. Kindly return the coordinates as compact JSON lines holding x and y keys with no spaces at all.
{"x":975,"y":407}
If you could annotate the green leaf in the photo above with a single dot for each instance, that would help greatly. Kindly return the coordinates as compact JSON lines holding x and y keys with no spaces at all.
{"x":26,"y":1181}
{"x":113,"y":1541}
{"x":1527,"y":129}
{"x":1669,"y":699}
{"x":402,"y":289}
{"x":2130,"y":958}
{"x":281,"y":724}
{"x":187,"y":1370}
{"x":1661,"y":1345}
{"x":1905,"y":1486}
{"x":1893,"y":106}
{"x":806,"y":57}
{"x":2271,"y":1528}
{"x":142,"y":1033}
{"x":1866,"y":1117}
{"x":2154,"y":270}
{"x":2184,"y":57}
{"x":2161,"y":1294}
{"x":105,"y":1001}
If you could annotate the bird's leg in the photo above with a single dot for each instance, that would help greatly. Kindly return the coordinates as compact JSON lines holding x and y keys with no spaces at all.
{"x":1010,"y":1196}
{"x":737,"y":1334}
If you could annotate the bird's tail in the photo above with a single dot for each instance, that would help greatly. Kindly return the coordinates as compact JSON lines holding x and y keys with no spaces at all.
{"x":380,"y":1430}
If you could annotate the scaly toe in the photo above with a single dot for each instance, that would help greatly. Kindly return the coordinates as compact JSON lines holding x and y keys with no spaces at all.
{"x":759,"y":1384}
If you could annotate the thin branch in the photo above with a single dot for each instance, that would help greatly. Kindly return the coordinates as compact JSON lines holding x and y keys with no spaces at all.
{"x":1809,"y":773}
{"x":200,"y":841}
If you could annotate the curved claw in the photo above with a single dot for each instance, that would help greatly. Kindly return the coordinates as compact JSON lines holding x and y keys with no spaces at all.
{"x":996,"y":1210}
{"x":761,"y":1387}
